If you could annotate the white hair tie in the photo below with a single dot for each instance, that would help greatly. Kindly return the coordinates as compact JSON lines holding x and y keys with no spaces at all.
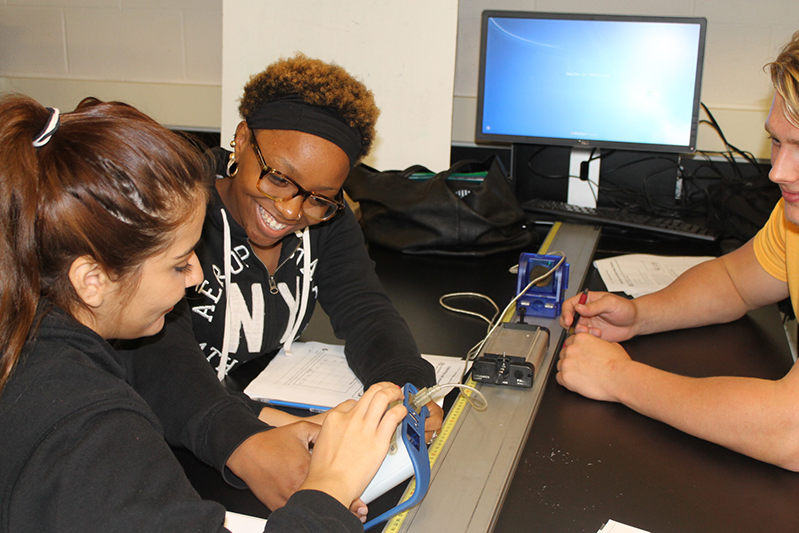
{"x":49,"y":129}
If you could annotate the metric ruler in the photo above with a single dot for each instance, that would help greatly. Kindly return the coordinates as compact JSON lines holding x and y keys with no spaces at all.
{"x":394,"y":524}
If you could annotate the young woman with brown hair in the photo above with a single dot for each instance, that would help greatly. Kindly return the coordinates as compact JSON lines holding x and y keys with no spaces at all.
{"x":102,"y":210}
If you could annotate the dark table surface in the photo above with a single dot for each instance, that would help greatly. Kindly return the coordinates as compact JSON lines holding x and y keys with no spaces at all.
{"x":415,"y":284}
{"x":585,"y":461}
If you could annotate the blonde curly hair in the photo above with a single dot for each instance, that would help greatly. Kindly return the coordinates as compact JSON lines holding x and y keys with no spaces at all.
{"x":316,"y":83}
{"x":785,"y":77}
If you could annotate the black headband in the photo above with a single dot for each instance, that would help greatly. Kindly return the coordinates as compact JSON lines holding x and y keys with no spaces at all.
{"x":296,"y":115}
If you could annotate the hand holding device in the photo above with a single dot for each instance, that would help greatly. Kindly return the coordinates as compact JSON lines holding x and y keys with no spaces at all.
{"x":408,"y":458}
{"x":606,"y":315}
{"x":576,"y":316}
{"x":353,"y":441}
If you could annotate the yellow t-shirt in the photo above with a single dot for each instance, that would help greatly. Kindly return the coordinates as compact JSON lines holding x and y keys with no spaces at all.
{"x":777,"y":250}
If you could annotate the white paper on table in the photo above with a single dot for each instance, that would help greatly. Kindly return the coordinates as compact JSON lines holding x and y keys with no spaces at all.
{"x":639,"y":274}
{"x":239,"y":523}
{"x":611,"y":526}
{"x":317,"y":377}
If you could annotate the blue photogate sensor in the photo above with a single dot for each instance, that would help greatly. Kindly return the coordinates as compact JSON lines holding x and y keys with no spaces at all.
{"x":545,"y":297}
{"x":410,"y":437}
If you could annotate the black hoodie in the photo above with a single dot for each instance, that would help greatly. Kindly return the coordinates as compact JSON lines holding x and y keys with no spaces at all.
{"x":82,"y":451}
{"x":378,"y":343}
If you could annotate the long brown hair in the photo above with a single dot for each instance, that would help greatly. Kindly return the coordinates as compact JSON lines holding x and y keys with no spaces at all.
{"x":111,"y":183}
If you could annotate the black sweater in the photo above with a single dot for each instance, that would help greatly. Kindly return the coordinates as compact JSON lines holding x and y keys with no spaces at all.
{"x":82,"y":450}
{"x":378,"y":343}
{"x":171,"y":374}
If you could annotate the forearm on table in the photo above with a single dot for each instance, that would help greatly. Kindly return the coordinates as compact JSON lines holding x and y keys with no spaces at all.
{"x":703,"y":295}
{"x":752,"y":416}
{"x":277,"y":418}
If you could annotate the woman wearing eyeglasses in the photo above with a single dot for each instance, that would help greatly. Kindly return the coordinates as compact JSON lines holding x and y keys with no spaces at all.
{"x":102,"y":209}
{"x":277,"y":238}
{"x":280,"y":227}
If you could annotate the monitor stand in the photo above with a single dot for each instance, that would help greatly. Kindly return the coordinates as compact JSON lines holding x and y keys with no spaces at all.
{"x":583,"y":192}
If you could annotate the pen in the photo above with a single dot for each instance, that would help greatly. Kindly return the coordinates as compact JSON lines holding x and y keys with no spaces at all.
{"x":583,"y":298}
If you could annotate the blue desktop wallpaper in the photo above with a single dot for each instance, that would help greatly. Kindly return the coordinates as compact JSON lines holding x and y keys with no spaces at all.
{"x":629,"y":82}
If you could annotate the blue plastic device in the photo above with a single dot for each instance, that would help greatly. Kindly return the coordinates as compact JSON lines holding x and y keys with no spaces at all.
{"x":412,"y":437}
{"x":543,"y":299}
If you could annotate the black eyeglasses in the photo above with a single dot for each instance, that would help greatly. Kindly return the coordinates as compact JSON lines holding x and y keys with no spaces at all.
{"x":278,"y":187}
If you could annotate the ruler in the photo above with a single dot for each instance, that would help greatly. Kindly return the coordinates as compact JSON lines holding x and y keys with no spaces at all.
{"x":395,"y":523}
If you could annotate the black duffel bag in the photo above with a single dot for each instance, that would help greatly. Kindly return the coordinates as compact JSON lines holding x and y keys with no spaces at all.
{"x":469,"y":209}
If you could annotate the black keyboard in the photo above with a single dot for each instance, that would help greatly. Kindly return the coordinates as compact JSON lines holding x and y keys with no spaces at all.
{"x":611,"y":216}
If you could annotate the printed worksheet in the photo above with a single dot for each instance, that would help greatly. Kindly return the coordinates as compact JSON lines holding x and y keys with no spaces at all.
{"x":317,"y":377}
{"x":639,"y":274}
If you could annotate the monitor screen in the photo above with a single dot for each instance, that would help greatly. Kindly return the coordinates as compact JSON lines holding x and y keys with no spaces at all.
{"x":590,"y":80}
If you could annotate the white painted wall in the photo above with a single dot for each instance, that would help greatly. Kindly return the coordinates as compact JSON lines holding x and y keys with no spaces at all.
{"x":403,"y":51}
{"x":165,"y":56}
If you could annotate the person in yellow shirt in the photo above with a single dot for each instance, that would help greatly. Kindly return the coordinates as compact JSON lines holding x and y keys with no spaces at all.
{"x":755,"y":417}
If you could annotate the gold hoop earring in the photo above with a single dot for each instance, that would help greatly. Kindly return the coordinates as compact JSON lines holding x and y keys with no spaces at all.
{"x":232,"y":166}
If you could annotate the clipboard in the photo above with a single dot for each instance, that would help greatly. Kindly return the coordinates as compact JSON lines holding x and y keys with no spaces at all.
{"x":318,"y":378}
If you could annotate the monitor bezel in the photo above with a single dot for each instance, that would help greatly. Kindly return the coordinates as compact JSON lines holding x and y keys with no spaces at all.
{"x":480,"y":136}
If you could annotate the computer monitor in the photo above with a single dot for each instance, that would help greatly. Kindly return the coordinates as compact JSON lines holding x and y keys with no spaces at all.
{"x":590,"y":82}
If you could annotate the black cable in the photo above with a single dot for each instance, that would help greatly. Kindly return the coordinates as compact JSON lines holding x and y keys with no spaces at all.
{"x":534,"y":172}
{"x":732,"y":150}
{"x":695,"y":198}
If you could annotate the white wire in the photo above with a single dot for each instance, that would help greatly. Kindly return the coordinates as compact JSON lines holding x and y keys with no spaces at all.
{"x":464,"y":311}
{"x":475,"y":398}
{"x":425,"y":395}
{"x":497,"y":319}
